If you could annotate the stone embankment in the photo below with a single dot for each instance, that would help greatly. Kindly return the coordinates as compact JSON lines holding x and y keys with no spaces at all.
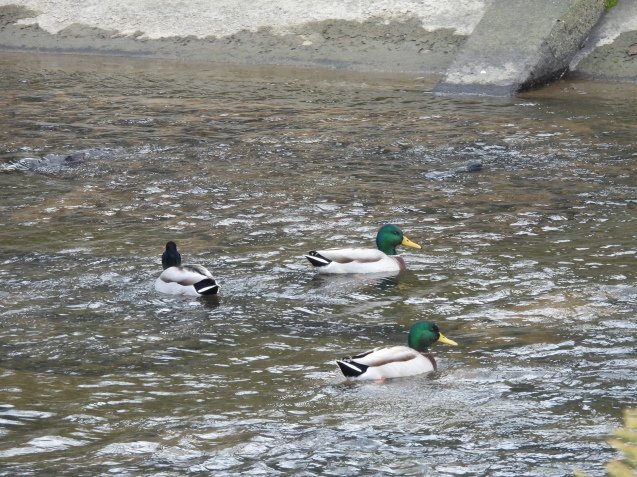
{"x":474,"y":46}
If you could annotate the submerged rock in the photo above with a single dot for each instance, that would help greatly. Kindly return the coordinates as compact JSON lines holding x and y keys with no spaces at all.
{"x":473,"y":167}
{"x":59,"y":159}
{"x":439,"y":175}
{"x":47,"y":162}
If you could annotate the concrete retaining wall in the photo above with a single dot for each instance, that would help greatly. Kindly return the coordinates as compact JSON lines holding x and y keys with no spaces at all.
{"x":519,"y":45}
{"x":375,"y":35}
{"x":420,"y":36}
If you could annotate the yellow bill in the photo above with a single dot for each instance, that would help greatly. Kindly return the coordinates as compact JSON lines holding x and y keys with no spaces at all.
{"x":445,"y":340}
{"x":409,"y":243}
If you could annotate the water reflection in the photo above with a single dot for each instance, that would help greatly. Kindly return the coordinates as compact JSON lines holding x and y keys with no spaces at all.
{"x":527,"y":262}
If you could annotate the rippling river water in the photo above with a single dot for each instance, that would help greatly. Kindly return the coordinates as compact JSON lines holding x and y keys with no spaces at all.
{"x":529,"y":264}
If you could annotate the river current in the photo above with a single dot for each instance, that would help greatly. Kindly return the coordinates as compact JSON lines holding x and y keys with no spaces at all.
{"x":528,"y":262}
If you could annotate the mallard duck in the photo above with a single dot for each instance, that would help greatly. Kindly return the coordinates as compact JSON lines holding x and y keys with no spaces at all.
{"x":397,"y":361}
{"x":178,"y":279}
{"x":365,"y":260}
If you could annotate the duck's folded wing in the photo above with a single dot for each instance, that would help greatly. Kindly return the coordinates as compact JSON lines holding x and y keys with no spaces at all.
{"x":198,"y":269}
{"x":348,"y":255}
{"x":186,"y":275}
{"x":386,"y":355}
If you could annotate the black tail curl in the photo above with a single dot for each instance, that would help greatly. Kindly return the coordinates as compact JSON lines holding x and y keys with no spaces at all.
{"x":317,"y":259}
{"x":207,"y":287}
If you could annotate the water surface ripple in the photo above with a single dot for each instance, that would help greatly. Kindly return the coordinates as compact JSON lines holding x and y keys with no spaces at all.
{"x":528,"y":264}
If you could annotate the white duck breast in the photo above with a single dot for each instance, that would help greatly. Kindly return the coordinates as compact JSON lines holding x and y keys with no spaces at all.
{"x":191,"y":280}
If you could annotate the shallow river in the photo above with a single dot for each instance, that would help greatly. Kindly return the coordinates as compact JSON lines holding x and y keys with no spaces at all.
{"x":529,"y":264}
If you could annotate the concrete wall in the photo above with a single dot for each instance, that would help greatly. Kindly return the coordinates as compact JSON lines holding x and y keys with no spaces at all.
{"x":201,"y":18}
{"x":378,"y":35}
{"x":420,"y":36}
{"x":606,"y":52}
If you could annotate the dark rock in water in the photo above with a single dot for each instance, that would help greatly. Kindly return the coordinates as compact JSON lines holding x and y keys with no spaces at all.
{"x":55,"y":159}
{"x":473,"y":167}
{"x":441,"y":175}
{"x":50,"y":161}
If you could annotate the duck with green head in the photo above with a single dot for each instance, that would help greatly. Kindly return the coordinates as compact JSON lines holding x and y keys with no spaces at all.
{"x":397,"y":361}
{"x":365,"y":260}
{"x":178,"y":279}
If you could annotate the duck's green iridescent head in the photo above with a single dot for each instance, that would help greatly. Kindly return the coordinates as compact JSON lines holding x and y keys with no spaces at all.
{"x":171,"y":257}
{"x":389,"y":236}
{"x":423,"y":334}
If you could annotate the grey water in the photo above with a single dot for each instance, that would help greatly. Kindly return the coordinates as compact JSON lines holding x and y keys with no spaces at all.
{"x":527,"y":262}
